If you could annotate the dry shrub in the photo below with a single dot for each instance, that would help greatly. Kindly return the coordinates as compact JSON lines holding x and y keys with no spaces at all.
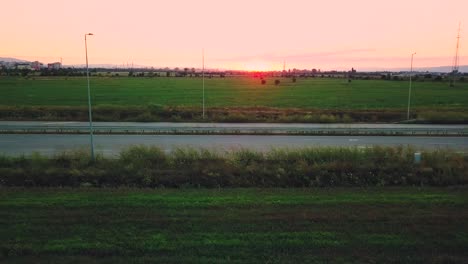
{"x":144,"y":166}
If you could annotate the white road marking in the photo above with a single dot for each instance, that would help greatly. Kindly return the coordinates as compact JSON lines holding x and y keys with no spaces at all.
{"x":353,"y":139}
{"x":59,"y":123}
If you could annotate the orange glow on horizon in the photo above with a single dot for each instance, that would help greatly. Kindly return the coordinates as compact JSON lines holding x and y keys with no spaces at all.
{"x":259,"y":66}
{"x":246,"y":35}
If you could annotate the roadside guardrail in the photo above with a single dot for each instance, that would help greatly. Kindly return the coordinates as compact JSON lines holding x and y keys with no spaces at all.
{"x":232,"y":130}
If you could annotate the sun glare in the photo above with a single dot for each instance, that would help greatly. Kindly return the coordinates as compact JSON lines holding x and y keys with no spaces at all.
{"x":257,"y":66}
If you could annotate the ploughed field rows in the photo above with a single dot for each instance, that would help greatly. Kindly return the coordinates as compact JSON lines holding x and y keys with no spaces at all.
{"x":354,"y":225}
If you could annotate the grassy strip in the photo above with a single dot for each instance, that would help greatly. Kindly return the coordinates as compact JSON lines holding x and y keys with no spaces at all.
{"x":150,"y":167}
{"x":157,"y":113}
{"x":372,"y":225}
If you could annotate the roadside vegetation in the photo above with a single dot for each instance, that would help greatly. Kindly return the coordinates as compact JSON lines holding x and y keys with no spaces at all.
{"x":141,"y":166}
{"x":313,"y":225}
{"x":231,"y":99}
{"x":159,"y":113}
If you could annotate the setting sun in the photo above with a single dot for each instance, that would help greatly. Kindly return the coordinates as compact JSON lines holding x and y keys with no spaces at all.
{"x":258,"y":66}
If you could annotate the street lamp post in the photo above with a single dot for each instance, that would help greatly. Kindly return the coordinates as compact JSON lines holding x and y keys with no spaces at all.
{"x":203,"y":83}
{"x":89,"y":98}
{"x":409,"y":92}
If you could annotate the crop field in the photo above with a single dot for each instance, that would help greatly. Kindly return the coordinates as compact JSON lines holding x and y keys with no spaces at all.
{"x":353,"y":225}
{"x":312,"y":93}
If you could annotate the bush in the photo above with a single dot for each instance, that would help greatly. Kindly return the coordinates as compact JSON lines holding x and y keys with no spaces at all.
{"x":155,"y":108}
{"x":142,"y":157}
{"x":327,"y":119}
{"x":441,"y":117}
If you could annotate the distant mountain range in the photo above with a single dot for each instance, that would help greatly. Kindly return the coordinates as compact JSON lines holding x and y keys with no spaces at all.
{"x":462,"y":68}
{"x":12,"y":60}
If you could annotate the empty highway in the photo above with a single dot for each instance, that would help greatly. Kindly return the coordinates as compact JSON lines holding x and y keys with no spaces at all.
{"x":48,"y":144}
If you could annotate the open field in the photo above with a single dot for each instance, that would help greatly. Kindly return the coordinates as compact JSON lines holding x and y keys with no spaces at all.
{"x":373,"y":225}
{"x":317,"y":93}
{"x":235,"y":99}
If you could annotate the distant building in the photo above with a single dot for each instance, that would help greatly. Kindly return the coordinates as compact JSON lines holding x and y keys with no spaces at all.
{"x":5,"y":64}
{"x":22,"y":66}
{"x":35,"y":65}
{"x":54,"y":66}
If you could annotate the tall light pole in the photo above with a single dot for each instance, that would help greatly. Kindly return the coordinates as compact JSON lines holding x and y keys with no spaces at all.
{"x":409,"y":92}
{"x":203,"y":82}
{"x":89,"y":98}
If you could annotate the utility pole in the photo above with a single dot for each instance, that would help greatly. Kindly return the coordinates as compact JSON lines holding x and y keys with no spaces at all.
{"x":455,"y":65}
{"x":409,"y":93}
{"x":203,"y":81}
{"x":89,"y":99}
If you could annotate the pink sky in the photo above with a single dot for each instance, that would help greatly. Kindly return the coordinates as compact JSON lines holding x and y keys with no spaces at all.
{"x":241,"y":34}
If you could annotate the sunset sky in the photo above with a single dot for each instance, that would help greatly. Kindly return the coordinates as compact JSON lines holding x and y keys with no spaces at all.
{"x":241,"y":34}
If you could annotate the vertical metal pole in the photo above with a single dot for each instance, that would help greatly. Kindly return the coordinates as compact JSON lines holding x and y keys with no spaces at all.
{"x":455,"y":59}
{"x":89,"y":102}
{"x":409,"y":92}
{"x":203,"y":81}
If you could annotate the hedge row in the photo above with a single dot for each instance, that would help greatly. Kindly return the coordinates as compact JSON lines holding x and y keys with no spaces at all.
{"x":155,"y":113}
{"x":142,"y":166}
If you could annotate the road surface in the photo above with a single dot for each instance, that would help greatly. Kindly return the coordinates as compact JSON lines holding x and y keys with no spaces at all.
{"x":48,"y":144}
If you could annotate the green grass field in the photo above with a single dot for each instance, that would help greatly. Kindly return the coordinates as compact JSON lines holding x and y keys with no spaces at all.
{"x":376,"y":225}
{"x":314,"y":93}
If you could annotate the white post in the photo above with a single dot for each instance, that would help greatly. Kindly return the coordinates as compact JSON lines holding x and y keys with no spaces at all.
{"x":203,"y":81}
{"x":417,"y":157}
{"x":409,"y":93}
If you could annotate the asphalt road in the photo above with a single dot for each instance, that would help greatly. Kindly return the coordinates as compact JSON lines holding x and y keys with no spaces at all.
{"x":17,"y":144}
{"x":231,"y":128}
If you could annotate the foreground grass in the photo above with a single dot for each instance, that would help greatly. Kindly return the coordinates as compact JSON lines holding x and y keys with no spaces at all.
{"x":373,"y":225}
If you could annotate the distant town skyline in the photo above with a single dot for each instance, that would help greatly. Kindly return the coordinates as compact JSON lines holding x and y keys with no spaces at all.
{"x":13,"y":63}
{"x":243,"y":35}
